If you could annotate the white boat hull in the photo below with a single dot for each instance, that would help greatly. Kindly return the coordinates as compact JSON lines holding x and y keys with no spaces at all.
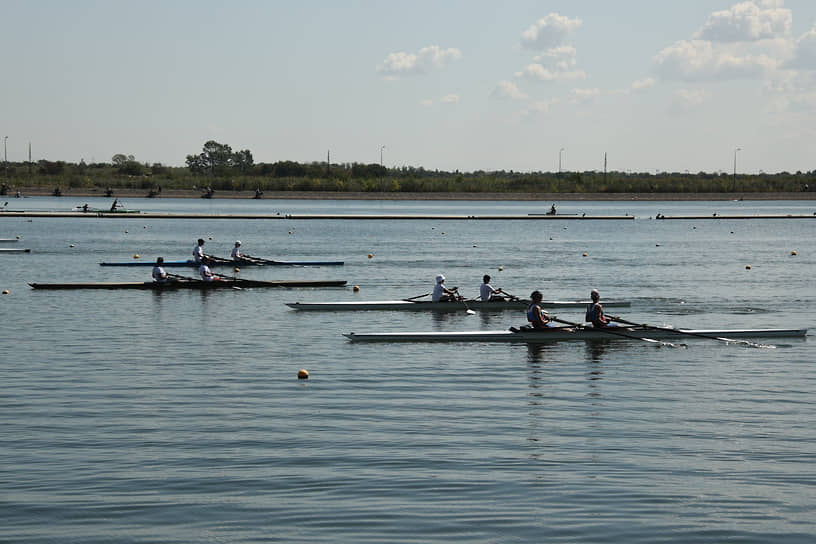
{"x":566,"y":333}
{"x":418,"y":306}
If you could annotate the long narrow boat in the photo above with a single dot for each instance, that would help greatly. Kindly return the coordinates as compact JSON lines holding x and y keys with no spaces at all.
{"x":227,"y":262}
{"x":8,"y":240}
{"x":14,"y":250}
{"x":191,"y":284}
{"x":426,"y":305}
{"x":556,"y":334}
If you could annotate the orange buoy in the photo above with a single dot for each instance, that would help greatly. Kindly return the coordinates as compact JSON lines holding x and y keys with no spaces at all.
{"x":355,"y":288}
{"x":303,"y":374}
{"x":793,"y":253}
{"x":370,"y":255}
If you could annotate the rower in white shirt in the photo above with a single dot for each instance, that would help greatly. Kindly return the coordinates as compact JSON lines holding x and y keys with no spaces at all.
{"x":442,"y":293}
{"x":205,"y":272}
{"x":159,"y":275}
{"x":198,"y":251}
{"x":487,"y":292}
{"x":236,"y":251}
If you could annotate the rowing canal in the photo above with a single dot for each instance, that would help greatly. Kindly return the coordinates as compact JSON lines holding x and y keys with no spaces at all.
{"x":133,"y":416}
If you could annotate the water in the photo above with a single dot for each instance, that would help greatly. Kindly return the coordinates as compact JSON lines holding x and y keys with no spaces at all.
{"x":178,"y":416}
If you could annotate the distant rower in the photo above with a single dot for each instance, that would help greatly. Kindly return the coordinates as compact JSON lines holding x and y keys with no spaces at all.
{"x":442,"y":293}
{"x":198,"y":251}
{"x":159,"y":275}
{"x":537,"y":317}
{"x":487,"y":292}
{"x":595,"y":313}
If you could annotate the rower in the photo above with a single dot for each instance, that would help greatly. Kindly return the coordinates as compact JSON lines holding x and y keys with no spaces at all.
{"x":159,"y":275}
{"x":537,"y":317}
{"x":595,"y":313}
{"x":114,"y":205}
{"x":487,"y":292}
{"x":442,"y":293}
{"x":205,"y":272}
{"x":198,"y":251}
{"x":236,"y":251}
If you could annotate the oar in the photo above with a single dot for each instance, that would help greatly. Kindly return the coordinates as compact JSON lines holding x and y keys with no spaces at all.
{"x":186,"y":278}
{"x":463,"y":301}
{"x":416,"y":297}
{"x":700,"y":335}
{"x":259,"y":260}
{"x":616,"y":333}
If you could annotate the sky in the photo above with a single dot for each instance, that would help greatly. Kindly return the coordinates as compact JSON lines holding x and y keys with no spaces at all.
{"x":653,"y":85}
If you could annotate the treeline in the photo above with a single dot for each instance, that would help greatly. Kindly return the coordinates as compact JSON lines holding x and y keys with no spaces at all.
{"x":218,"y":167}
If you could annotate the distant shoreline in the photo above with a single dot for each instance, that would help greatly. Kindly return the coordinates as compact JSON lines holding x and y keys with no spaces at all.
{"x":327,"y":195}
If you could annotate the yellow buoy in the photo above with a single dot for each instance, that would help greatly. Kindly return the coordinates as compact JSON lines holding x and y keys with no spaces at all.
{"x":747,"y":267}
{"x":501,"y":268}
{"x":18,"y":236}
{"x":70,"y":245}
{"x":585,"y":255}
{"x":126,"y":231}
{"x":370,"y":255}
{"x":210,"y":237}
{"x":236,"y":269}
{"x":303,"y":374}
{"x":5,"y":291}
{"x":136,"y":256}
{"x":355,"y":288}
{"x":793,"y":253}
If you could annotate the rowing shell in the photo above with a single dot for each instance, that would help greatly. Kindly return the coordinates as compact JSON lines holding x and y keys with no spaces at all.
{"x":555,"y":334}
{"x":190,"y":284}
{"x":228,"y":262}
{"x":425,"y":305}
{"x":14,"y":250}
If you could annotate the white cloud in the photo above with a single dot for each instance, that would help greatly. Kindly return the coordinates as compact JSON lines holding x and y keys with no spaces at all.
{"x":747,"y":22}
{"x":684,"y":100}
{"x":644,"y":83}
{"x":584,"y":96}
{"x":508,"y":89}
{"x":427,"y":59}
{"x":548,"y":31}
{"x":804,"y":56}
{"x":698,"y":60}
{"x":449,"y":99}
{"x":538,"y":106}
{"x":538,"y":72}
{"x":426,"y":102}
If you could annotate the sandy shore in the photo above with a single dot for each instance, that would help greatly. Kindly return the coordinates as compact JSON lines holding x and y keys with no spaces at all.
{"x":318,"y":195}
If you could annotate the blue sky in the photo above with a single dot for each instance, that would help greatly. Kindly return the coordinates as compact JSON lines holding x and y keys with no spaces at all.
{"x":657,"y":85}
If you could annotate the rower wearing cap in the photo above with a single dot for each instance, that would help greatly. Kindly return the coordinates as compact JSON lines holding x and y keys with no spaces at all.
{"x":236,"y":251}
{"x":594,"y":311}
{"x":442,"y":293}
{"x":487,"y":292}
{"x":537,"y":317}
{"x":159,"y":275}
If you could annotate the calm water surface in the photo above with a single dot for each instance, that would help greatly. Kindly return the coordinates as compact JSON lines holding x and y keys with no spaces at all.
{"x":178,"y":416}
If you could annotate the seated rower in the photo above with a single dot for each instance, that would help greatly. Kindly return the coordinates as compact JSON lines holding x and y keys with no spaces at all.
{"x":487,"y":292}
{"x":595,"y":313}
{"x":159,"y":275}
{"x":442,"y":293}
{"x":537,"y":317}
{"x":198,"y":251}
{"x":235,"y":255}
{"x":205,"y":272}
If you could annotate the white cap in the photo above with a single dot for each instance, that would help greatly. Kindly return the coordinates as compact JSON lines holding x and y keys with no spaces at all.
{"x":237,"y":242}
{"x":440,"y":278}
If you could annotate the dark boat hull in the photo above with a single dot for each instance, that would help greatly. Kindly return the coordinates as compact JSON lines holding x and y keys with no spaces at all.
{"x":190,"y":284}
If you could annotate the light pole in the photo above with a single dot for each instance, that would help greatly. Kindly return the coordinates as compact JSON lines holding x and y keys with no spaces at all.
{"x":559,"y":159}
{"x":381,"y":150}
{"x":735,"y":167}
{"x":5,"y":155}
